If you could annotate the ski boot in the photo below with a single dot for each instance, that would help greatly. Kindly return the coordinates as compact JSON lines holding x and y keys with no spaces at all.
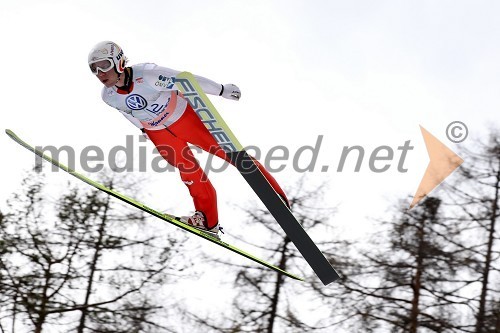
{"x":198,"y":220}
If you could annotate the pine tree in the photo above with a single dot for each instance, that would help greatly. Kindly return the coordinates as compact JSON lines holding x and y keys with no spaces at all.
{"x":476,"y":202}
{"x":407,"y":281}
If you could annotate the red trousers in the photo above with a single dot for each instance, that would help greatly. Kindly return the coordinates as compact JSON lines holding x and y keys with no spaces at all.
{"x":172,"y":143}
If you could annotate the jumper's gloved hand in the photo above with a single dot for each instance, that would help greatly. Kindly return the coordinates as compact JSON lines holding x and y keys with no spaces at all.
{"x":230,"y":91}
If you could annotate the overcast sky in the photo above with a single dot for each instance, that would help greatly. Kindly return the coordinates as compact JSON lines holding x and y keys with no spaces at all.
{"x":356,"y":72}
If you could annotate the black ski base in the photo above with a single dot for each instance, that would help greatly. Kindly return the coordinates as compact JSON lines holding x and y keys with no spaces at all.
{"x":284,"y":216}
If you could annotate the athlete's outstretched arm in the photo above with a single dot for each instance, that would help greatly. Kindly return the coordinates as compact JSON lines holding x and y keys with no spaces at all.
{"x":163,"y":78}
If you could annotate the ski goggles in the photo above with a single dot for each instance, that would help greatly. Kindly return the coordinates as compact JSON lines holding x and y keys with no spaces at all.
{"x":103,"y":65}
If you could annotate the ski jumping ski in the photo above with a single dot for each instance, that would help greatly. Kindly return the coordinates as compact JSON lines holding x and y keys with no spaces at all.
{"x":165,"y":217}
{"x":216,"y":125}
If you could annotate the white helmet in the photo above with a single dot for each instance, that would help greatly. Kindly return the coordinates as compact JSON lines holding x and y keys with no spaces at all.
{"x":106,"y":55}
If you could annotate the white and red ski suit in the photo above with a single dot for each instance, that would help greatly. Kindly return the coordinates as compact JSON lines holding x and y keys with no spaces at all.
{"x":152,"y":102}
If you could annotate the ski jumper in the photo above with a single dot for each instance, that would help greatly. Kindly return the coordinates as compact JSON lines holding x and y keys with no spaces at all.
{"x":153,"y":104}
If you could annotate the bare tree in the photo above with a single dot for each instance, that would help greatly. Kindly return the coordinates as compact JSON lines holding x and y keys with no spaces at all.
{"x":407,"y":280}
{"x":434,"y":268}
{"x":475,"y":200}
{"x":87,"y":262}
{"x":267,"y":301}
